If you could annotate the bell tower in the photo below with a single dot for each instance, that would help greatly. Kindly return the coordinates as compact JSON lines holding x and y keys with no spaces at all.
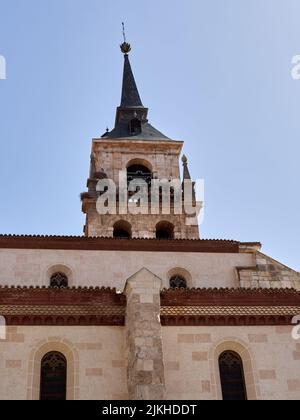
{"x":141,"y":153}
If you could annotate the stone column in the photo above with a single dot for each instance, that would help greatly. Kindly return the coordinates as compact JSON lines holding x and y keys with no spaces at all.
{"x":145,"y":374}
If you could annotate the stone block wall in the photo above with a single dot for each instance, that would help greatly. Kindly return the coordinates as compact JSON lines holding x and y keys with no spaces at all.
{"x":268,"y":273}
{"x":111,"y":157}
{"x":96,"y":364}
{"x":32,"y":267}
{"x":270,"y":360}
{"x":143,"y":226}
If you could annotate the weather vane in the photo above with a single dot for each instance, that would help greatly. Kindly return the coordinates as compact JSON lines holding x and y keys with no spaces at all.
{"x":125,"y":47}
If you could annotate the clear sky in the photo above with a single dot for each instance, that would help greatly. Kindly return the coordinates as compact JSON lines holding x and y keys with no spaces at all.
{"x":214,"y":73}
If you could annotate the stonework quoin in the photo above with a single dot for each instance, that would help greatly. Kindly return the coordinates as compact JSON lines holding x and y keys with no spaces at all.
{"x":145,"y":374}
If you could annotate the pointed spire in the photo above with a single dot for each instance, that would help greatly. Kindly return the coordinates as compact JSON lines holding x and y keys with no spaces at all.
{"x":186,"y":172}
{"x":131,"y":116}
{"x":130,"y":94}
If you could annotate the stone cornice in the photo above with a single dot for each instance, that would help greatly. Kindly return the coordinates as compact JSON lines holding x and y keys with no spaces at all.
{"x":136,"y":142}
{"x":68,"y":315}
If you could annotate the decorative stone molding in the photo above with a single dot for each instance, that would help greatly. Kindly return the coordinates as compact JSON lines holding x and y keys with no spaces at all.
{"x":66,"y":307}
{"x":94,"y":306}
{"x":145,"y":372}
{"x":226,"y":320}
{"x":250,"y":247}
{"x":221,"y":307}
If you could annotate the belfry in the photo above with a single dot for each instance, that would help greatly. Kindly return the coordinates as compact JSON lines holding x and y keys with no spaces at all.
{"x":142,"y":152}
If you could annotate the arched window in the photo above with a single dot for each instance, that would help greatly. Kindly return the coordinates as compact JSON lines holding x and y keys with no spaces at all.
{"x":53,"y":377}
{"x":139,"y":172}
{"x":178,"y":282}
{"x":232,"y":377}
{"x":164,"y":230}
{"x":59,"y":281}
{"x":122,"y":230}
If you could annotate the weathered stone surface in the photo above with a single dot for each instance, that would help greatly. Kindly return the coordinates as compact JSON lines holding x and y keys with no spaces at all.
{"x":145,"y":373}
{"x":113,"y":156}
{"x":268,"y":273}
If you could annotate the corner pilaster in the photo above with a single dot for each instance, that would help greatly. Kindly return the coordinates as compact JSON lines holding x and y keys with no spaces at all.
{"x":145,"y":374}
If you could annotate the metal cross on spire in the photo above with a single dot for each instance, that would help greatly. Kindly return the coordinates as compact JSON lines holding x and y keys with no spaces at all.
{"x":124,"y":33}
{"x":125,"y":47}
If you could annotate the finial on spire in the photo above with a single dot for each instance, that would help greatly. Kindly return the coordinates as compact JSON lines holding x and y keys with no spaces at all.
{"x":125,"y":47}
{"x":186,"y":172}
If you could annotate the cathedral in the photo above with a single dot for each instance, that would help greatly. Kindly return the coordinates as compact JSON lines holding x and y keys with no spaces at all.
{"x":140,"y":307}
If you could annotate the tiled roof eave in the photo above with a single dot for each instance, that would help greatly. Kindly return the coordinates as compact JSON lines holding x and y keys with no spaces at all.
{"x":135,"y":244}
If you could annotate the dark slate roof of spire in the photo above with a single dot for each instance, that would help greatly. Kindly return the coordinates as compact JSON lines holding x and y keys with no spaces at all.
{"x":148,"y":133}
{"x":132,"y":108}
{"x":130,"y":93}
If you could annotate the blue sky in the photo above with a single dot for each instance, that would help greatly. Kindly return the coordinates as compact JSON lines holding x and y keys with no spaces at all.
{"x":214,"y":73}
